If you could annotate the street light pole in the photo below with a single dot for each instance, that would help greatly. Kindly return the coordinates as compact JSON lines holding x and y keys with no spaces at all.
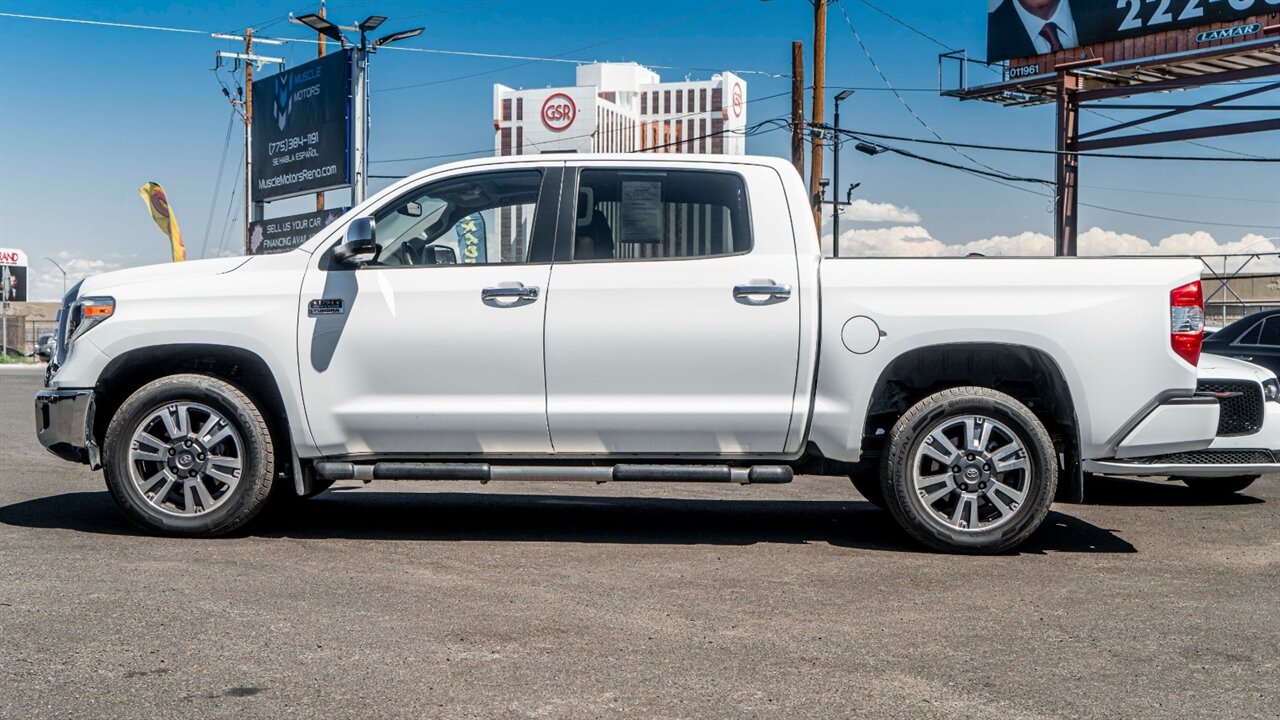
{"x":359,"y":85}
{"x":64,"y":273}
{"x":835,"y":173}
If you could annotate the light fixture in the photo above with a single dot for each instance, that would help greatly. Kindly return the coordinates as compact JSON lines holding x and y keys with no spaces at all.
{"x":371,"y":23}
{"x":844,"y":95}
{"x":322,"y":26}
{"x":398,"y":36}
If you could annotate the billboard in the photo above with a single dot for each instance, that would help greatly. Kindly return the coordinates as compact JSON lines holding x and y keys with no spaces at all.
{"x":1028,"y":28}
{"x":302,"y":130}
{"x":13,"y":275}
{"x":282,"y":234}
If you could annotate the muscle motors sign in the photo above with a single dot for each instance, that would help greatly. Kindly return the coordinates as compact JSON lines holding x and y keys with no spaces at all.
{"x":301,"y":129}
{"x":1029,"y":28}
{"x":283,"y":234}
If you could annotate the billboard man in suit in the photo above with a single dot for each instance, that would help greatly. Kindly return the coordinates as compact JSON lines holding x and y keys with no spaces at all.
{"x":1022,"y":28}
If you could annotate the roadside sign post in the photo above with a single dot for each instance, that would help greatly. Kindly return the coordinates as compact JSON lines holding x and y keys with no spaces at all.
{"x":4,"y":324}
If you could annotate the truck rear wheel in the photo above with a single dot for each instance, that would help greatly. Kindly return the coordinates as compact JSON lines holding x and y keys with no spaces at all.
{"x":969,"y":470}
{"x":189,"y":455}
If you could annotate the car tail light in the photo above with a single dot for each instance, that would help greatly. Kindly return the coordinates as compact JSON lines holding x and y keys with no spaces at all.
{"x":1186,"y":313}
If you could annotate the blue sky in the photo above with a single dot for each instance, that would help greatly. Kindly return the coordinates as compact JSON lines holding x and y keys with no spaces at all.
{"x":88,"y":114}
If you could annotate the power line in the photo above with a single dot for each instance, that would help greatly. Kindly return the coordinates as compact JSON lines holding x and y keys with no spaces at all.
{"x":433,"y":51}
{"x":217,"y":184}
{"x":529,"y":61}
{"x":231,"y":204}
{"x":78,"y":21}
{"x":861,"y":135}
{"x":991,"y":174}
{"x":772,"y":124}
{"x":466,"y":153}
{"x":934,"y":161}
{"x":910,"y":27}
{"x":1198,"y":196}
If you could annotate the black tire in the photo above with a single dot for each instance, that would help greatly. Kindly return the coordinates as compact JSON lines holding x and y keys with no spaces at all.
{"x":258,"y":461}
{"x":1038,"y":482}
{"x":1218,"y":486}
{"x":869,"y":486}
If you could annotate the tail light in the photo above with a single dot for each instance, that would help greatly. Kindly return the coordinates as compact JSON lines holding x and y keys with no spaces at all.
{"x":1186,"y":329}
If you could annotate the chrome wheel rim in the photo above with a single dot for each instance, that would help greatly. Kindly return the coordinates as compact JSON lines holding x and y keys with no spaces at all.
{"x":185,"y":459}
{"x":971,"y":473}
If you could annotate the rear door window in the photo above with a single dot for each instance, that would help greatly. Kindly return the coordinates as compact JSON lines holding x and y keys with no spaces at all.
{"x":629,"y":215}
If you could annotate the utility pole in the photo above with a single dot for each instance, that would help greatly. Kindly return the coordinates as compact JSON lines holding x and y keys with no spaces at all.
{"x":1067,"y":202}
{"x":320,"y":54}
{"x":252,"y":211}
{"x":797,"y":106}
{"x":819,"y":89}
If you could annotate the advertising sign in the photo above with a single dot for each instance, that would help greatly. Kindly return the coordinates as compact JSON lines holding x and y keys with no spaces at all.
{"x":558,"y":112}
{"x":1026,"y":28}
{"x":282,"y":234}
{"x":472,"y":240}
{"x":301,"y":129}
{"x":13,"y":275}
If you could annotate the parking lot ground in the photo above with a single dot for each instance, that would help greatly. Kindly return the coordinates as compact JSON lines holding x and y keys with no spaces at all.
{"x":422,"y":600}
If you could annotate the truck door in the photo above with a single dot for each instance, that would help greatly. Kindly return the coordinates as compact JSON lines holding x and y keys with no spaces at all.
{"x":436,"y":345}
{"x":673,"y":318}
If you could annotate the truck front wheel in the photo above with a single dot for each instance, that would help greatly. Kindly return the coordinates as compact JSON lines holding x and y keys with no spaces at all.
{"x":189,"y":455}
{"x":969,"y":470}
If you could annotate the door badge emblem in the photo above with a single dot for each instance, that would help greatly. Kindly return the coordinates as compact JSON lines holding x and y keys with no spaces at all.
{"x":325,"y":306}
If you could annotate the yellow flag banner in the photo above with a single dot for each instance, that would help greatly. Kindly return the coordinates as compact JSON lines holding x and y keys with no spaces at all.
{"x":153,"y":195}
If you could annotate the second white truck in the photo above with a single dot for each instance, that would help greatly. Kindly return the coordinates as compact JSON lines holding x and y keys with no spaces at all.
{"x":622,"y":318}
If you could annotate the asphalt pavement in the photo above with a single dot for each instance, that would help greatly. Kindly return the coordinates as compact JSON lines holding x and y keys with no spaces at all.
{"x":524,"y":600}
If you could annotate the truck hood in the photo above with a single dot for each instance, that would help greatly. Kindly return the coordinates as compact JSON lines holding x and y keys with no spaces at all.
{"x":100,"y":284}
{"x":1224,"y":368}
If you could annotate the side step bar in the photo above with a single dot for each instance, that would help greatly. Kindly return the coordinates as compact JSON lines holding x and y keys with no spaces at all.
{"x":760,"y":474}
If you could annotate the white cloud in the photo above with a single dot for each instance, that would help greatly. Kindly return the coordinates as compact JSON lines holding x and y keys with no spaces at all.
{"x":916,"y":241}
{"x":866,"y":211}
{"x":46,"y":281}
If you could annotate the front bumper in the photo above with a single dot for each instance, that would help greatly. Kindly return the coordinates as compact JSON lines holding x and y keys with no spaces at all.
{"x":64,"y":425}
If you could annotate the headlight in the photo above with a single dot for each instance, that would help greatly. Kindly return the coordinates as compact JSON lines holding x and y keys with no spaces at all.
{"x":85,"y":314}
{"x":1271,"y":390}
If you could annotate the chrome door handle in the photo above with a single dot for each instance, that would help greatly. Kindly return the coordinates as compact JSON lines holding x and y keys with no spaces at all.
{"x":519,"y":292}
{"x":747,"y":291}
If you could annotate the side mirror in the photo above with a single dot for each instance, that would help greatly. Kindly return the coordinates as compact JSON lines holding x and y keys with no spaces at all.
{"x":360,"y":244}
{"x":443,"y":255}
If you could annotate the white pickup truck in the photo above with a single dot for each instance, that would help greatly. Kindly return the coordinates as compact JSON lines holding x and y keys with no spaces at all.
{"x":622,"y":318}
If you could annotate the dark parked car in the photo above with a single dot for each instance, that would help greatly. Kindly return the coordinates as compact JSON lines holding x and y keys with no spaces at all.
{"x":1254,"y":339}
{"x":44,"y":347}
